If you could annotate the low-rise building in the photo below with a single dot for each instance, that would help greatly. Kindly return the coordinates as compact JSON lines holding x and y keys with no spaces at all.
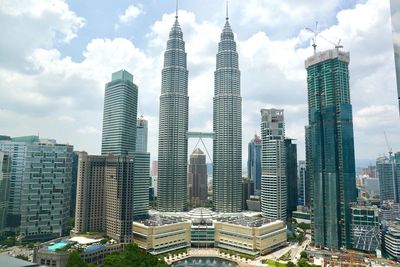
{"x":160,"y":234}
{"x":55,"y":253}
{"x":241,"y":232}
{"x":250,"y":235}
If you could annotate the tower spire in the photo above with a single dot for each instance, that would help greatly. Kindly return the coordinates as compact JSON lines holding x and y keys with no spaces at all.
{"x":176,"y":11}
{"x":227,"y":10}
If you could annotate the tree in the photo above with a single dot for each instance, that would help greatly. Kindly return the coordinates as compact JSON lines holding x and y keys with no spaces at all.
{"x":132,"y":256}
{"x":22,"y":257}
{"x":303,"y":255}
{"x":75,"y":260}
{"x":303,"y":263}
{"x":290,"y":264}
{"x":304,"y":226}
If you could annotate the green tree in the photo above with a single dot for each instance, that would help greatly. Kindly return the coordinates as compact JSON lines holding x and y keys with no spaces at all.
{"x":22,"y":257}
{"x":75,"y":260}
{"x":132,"y":256}
{"x":304,"y":226}
{"x":303,"y":255}
{"x":303,"y":263}
{"x":290,"y":264}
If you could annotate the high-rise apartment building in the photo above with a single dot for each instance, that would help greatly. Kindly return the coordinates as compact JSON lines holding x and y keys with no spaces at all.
{"x":273,"y":165}
{"x":5,"y":168}
{"x":46,"y":190}
{"x":197,"y":178}
{"x":90,"y":201}
{"x":141,"y":185}
{"x":291,"y":175}
{"x":173,"y":125}
{"x":227,"y":126}
{"x":330,"y":140}
{"x":141,"y":134}
{"x":254,"y":163}
{"x":119,"y":117}
{"x":388,"y":172}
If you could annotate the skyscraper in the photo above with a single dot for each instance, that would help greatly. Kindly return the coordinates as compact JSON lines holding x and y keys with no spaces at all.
{"x":331,"y":144}
{"x":291,"y":175}
{"x":303,"y":184}
{"x":141,"y":134}
{"x":173,"y":125}
{"x":273,"y":165}
{"x":227,"y":126}
{"x":46,"y":190}
{"x":5,"y":168}
{"x":388,"y":172}
{"x":197,"y":178}
{"x":119,"y":117}
{"x":254,"y":163}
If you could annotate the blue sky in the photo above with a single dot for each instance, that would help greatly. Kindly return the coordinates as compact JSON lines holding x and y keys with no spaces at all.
{"x":56,"y":56}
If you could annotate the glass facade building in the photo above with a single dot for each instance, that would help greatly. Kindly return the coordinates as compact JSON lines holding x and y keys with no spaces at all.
{"x":331,"y":144}
{"x":141,"y":134}
{"x":173,"y":125}
{"x":227,"y":127}
{"x":254,"y":163}
{"x":388,"y":172}
{"x":291,"y":175}
{"x":119,"y":117}
{"x":5,"y":168}
{"x":46,"y":190}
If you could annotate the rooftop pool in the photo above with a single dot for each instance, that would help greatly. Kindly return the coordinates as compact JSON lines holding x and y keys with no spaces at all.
{"x":204,"y":262}
{"x":57,"y":245}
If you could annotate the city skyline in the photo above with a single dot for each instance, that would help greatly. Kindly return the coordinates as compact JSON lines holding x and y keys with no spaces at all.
{"x":260,"y":79}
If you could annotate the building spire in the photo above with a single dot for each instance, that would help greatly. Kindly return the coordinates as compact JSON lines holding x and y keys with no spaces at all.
{"x":227,"y":10}
{"x":176,"y":11}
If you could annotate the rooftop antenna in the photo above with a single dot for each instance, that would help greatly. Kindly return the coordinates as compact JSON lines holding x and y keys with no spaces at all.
{"x":176,"y":11}
{"x":227,"y":10}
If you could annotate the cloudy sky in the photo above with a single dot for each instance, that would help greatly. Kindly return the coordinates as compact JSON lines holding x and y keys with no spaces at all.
{"x":56,"y":56}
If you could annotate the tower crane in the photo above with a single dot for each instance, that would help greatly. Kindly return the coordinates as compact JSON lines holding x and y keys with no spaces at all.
{"x":317,"y":33}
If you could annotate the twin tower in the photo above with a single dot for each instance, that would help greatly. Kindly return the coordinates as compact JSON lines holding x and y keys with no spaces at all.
{"x":173,"y":126}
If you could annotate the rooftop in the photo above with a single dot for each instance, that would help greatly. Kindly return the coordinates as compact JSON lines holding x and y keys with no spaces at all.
{"x":14,"y":262}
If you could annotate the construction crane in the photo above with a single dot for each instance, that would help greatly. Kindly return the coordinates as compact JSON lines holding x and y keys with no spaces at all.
{"x":317,"y":33}
{"x":388,"y":146}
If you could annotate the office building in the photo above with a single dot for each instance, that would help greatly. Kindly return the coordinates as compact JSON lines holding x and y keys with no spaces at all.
{"x":388,"y":173}
{"x":46,"y":190}
{"x":16,"y":148}
{"x":309,"y":165}
{"x":5,"y":168}
{"x":247,"y":191}
{"x":227,"y":126}
{"x":273,"y":165}
{"x":291,"y":175}
{"x":329,"y":137}
{"x":303,"y":185}
{"x":141,"y":184}
{"x":254,"y":163}
{"x":173,"y":125}
{"x":119,"y":117}
{"x":197,"y":178}
{"x":141,"y":134}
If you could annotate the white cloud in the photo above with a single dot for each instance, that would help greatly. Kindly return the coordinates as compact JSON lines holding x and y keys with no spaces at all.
{"x":272,"y":72}
{"x":131,"y":13}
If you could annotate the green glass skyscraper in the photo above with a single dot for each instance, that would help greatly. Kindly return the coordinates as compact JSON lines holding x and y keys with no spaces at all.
{"x":227,"y":126}
{"x":119,"y":117}
{"x":331,"y":148}
{"x":173,"y":125}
